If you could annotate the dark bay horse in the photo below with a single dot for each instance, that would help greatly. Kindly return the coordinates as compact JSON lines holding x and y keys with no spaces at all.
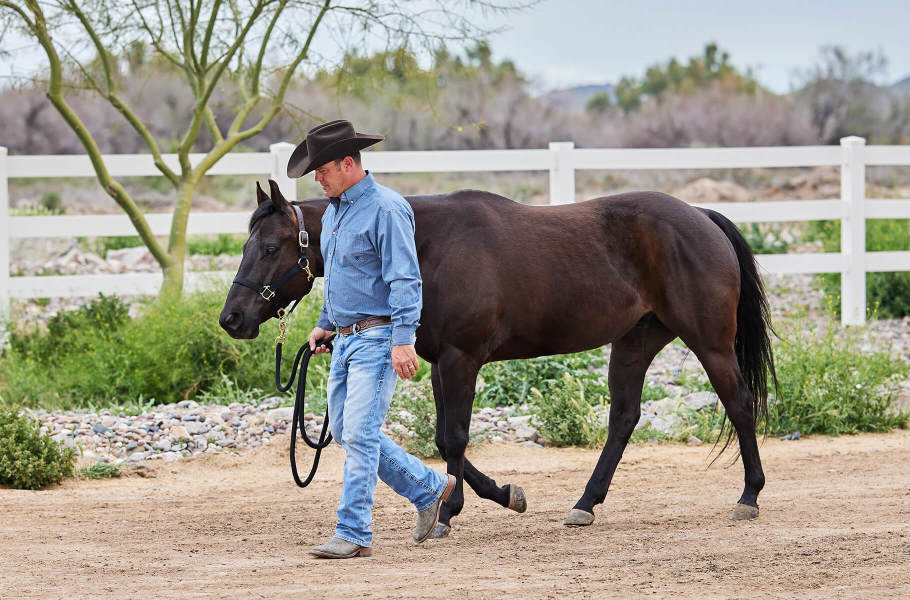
{"x":502,"y":280}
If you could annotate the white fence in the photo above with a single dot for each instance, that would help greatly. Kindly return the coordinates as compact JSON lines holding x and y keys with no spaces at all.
{"x":561,"y":159}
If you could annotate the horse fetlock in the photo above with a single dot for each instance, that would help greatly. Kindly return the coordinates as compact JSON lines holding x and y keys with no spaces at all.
{"x":440,"y":531}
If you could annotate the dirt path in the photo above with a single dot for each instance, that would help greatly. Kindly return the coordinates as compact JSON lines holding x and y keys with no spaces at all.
{"x":835,"y":522}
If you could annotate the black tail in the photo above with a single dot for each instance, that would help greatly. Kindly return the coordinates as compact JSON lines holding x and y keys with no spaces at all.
{"x":753,"y":323}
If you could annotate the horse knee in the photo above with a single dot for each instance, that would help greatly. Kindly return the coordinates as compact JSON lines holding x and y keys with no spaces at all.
{"x":455,"y":442}
{"x":440,"y":444}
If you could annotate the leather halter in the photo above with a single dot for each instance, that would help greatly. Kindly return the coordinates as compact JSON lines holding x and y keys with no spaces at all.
{"x":269,"y":291}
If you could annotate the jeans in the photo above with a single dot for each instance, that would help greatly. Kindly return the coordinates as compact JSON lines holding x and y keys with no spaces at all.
{"x":360,"y":387}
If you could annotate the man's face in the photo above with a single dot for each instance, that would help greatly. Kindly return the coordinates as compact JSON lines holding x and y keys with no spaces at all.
{"x":331,"y":176}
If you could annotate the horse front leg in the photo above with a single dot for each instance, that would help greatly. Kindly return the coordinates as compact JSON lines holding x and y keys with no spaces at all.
{"x":509,"y":496}
{"x":456,"y":376}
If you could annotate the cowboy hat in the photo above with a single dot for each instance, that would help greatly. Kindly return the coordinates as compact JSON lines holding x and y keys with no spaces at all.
{"x":327,"y":142}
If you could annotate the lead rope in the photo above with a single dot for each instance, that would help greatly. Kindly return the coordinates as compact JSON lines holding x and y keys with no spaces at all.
{"x":301,"y":362}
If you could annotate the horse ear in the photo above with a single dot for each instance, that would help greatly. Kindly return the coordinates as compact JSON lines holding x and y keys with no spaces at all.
{"x":260,"y":195}
{"x":277,"y":197}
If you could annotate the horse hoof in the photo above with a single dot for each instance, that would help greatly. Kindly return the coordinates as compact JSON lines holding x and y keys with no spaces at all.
{"x":578,"y":518}
{"x":517,"y":500}
{"x":744,"y":512}
{"x":440,"y":531}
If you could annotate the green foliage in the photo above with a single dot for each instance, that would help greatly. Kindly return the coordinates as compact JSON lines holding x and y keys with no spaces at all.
{"x":28,"y":459}
{"x":598,"y":103}
{"x":224,"y":243}
{"x":712,"y":67}
{"x":413,"y":406}
{"x":572,"y":412}
{"x":52,"y":202}
{"x":102,"y":245}
{"x":171,"y":351}
{"x":99,"y":470}
{"x":888,"y":294}
{"x":510,"y":382}
{"x":764,"y":239}
{"x":226,"y":391}
{"x":828,"y":386}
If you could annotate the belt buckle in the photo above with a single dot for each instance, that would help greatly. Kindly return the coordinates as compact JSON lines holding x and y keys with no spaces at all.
{"x":354,"y":329}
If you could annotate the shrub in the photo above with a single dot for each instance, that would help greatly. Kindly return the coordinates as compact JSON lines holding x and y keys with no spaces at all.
{"x":224,"y":243}
{"x":510,"y":381}
{"x":828,"y":386}
{"x":170,"y":352}
{"x":571,"y":412}
{"x":413,"y":406}
{"x":28,"y":459}
{"x":100,"y":470}
{"x":888,"y":294}
{"x":52,"y":202}
{"x":765,"y":239}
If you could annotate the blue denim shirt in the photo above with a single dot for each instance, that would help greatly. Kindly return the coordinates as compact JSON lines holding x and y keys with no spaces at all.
{"x":370,"y":260}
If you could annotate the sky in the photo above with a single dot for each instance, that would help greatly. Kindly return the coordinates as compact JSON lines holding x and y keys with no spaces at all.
{"x":572,"y":42}
{"x":563,"y":43}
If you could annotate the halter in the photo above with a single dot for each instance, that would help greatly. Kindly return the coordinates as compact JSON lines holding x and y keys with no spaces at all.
{"x":269,"y":291}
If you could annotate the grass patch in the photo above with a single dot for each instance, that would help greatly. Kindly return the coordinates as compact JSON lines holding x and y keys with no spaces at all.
{"x":99,"y":470}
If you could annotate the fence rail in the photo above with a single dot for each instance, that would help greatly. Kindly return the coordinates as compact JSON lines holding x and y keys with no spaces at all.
{"x":561,"y":159}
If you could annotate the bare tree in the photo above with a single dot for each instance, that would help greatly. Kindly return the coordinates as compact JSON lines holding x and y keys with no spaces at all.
{"x":251,"y":48}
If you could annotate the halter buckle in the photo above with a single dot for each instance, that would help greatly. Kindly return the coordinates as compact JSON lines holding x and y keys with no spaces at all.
{"x":267,"y":293}
{"x":303,"y":238}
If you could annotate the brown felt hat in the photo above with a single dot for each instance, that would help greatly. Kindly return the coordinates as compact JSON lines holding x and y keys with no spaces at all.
{"x":327,"y":142}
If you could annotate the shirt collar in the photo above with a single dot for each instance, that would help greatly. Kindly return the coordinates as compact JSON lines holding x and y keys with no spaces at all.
{"x":357,"y":190}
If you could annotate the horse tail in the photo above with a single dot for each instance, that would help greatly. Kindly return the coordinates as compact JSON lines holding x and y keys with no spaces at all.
{"x":753,"y":324}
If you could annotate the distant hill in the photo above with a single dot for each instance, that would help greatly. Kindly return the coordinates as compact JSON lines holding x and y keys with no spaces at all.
{"x":902,"y":87}
{"x":575,"y":99}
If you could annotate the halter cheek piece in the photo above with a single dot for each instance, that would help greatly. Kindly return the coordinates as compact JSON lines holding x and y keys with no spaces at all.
{"x":269,"y":291}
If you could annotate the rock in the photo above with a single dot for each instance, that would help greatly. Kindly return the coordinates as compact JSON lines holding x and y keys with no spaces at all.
{"x":694,"y":441}
{"x":705,"y":189}
{"x":131,"y":445}
{"x":65,"y":438}
{"x":162,"y":444}
{"x":701,"y":400}
{"x":171,"y":456}
{"x":99,"y":428}
{"x":277,"y":415}
{"x":131,"y":257}
{"x":526,"y":433}
{"x":519,"y":421}
{"x":195,"y":427}
{"x":791,"y":437}
{"x":179,"y":432}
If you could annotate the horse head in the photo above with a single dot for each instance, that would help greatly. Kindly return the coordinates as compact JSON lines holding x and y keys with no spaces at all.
{"x":280,"y":260}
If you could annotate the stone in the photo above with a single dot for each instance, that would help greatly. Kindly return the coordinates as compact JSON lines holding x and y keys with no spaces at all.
{"x":277,"y":415}
{"x":179,"y":432}
{"x":694,"y":441}
{"x":701,"y":400}
{"x":162,"y":444}
{"x":131,"y":445}
{"x":99,"y":428}
{"x":195,"y":427}
{"x":526,"y":433}
{"x":171,"y":456}
{"x":65,"y":438}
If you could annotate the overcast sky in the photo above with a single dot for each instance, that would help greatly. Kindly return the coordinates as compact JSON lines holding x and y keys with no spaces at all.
{"x":563,"y":43}
{"x":571,"y":42}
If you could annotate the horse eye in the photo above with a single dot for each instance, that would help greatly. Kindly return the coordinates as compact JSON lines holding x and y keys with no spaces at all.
{"x":270,"y":250}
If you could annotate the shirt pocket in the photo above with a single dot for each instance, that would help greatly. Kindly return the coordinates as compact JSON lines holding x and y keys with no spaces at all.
{"x":357,"y":251}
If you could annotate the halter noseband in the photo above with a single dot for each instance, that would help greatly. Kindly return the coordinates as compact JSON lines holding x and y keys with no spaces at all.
{"x":269,"y":291}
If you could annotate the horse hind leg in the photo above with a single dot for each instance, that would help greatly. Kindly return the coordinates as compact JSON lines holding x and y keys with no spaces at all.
{"x":629,"y":361}
{"x":725,"y":375}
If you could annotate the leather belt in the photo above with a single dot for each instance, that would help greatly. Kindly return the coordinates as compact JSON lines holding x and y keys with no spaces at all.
{"x":365,"y":324}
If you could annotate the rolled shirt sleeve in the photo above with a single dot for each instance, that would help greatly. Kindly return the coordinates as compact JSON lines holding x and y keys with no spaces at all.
{"x":401,"y":271}
{"x":324,"y":321}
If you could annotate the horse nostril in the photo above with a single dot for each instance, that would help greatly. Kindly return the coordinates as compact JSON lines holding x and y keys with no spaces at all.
{"x":231,"y":321}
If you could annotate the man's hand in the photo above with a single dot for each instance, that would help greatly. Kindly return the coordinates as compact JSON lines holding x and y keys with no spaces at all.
{"x":317,"y":334}
{"x":404,"y":361}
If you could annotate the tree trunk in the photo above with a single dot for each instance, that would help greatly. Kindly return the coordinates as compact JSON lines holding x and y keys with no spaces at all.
{"x":172,"y":285}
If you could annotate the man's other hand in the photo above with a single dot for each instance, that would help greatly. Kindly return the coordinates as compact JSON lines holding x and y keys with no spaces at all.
{"x":404,"y":361}
{"x":317,"y":334}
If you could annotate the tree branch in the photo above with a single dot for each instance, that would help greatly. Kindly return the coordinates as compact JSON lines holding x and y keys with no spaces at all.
{"x":207,"y":40}
{"x":257,"y":67}
{"x":110,"y":185}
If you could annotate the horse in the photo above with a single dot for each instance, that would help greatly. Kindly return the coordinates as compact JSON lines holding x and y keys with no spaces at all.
{"x":502,"y":280}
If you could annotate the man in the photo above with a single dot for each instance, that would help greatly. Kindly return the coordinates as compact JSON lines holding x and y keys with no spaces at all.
{"x":372,"y":299}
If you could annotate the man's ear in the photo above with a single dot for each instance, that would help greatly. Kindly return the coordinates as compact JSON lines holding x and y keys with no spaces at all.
{"x":260,"y":195}
{"x":277,"y":197}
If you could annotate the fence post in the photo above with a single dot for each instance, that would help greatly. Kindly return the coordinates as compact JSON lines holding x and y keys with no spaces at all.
{"x":4,"y":236}
{"x":281,"y":154}
{"x":853,"y":230}
{"x":562,"y":173}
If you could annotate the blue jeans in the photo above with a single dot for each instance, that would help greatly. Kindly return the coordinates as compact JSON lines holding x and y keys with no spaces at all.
{"x":360,"y":387}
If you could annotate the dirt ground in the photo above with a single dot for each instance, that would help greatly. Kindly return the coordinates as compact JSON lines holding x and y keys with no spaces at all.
{"x":834,"y":523}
